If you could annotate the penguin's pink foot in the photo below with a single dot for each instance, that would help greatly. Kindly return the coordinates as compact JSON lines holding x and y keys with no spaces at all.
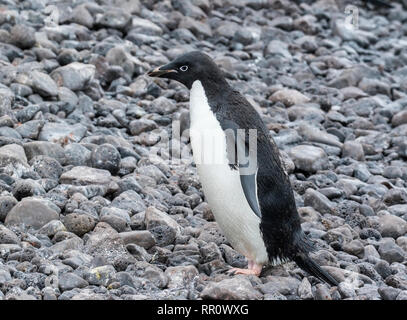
{"x":253,"y":269}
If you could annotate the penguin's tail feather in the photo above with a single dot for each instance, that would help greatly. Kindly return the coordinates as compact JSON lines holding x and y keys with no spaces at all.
{"x":304,"y":261}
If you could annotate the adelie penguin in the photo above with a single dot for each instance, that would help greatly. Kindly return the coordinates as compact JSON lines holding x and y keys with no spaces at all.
{"x":240,"y":170}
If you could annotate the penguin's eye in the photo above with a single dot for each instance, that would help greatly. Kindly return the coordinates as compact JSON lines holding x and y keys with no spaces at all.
{"x":184,"y":68}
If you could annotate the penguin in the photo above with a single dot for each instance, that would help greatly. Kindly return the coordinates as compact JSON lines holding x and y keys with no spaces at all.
{"x":240,"y":170}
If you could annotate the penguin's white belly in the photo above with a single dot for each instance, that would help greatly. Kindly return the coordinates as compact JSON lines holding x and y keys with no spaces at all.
{"x":221,"y":184}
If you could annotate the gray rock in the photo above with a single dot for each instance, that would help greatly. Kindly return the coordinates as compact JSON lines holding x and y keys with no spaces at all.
{"x":51,"y":228}
{"x":74,"y":76}
{"x":155,"y":217}
{"x":79,"y":224}
{"x":7,"y":236}
{"x":390,"y":251}
{"x":46,"y":167}
{"x":181,"y":276}
{"x":115,"y":18}
{"x":45,"y":148}
{"x":355,"y":247}
{"x":27,"y":188}
{"x":106,"y":243}
{"x":142,"y":238}
{"x":6,"y":204}
{"x":106,"y":157}
{"x":346,"y":290}
{"x":399,"y":118}
{"x":392,"y":226}
{"x":130,"y":201}
{"x":283,"y":285}
{"x":62,"y":133}
{"x":81,"y":15}
{"x":304,"y":290}
{"x":318,"y":201}
{"x":69,"y":281}
{"x":117,"y":218}
{"x":40,"y":82}
{"x":31,"y":212}
{"x":402,"y":295}
{"x":289,"y":97}
{"x":354,"y":150}
{"x":30,"y":129}
{"x":388,"y":293}
{"x":141,"y":125}
{"x":12,"y":154}
{"x":82,"y":176}
{"x":237,"y":288}
{"x":77,"y":155}
{"x":22,"y":36}
{"x":198,"y":28}
{"x":100,"y":276}
{"x":309,"y":158}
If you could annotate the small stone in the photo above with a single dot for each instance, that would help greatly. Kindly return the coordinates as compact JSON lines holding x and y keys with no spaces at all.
{"x":237,"y":288}
{"x":31,"y":212}
{"x":81,"y":15}
{"x":69,"y":281}
{"x":7,"y":236}
{"x":12,"y":154}
{"x":115,"y":18}
{"x":322,"y":292}
{"x":388,"y":293}
{"x":23,"y":36}
{"x":6,"y":204}
{"x":180,"y":276}
{"x":346,"y":290}
{"x":119,"y":219}
{"x":141,"y":125}
{"x":289,"y":97}
{"x":390,"y":251}
{"x":399,"y":118}
{"x":45,"y":148}
{"x":46,"y":167}
{"x":304,"y":290}
{"x":74,"y":76}
{"x":318,"y":201}
{"x":77,"y":155}
{"x":26,"y":188}
{"x":106,"y":157}
{"x":355,"y":247}
{"x":30,"y":129}
{"x":51,"y":228}
{"x":309,"y":158}
{"x":100,"y":276}
{"x":82,"y":176}
{"x":79,"y":224}
{"x":283,"y":285}
{"x":354,"y":150}
{"x":142,"y":238}
{"x":62,"y":133}
{"x":392,"y":226}
{"x":40,"y":82}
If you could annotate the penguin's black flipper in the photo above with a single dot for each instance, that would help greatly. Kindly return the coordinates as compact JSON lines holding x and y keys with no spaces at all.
{"x":306,"y":263}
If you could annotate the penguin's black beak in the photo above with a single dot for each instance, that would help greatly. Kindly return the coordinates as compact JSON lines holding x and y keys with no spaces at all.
{"x":161,"y":71}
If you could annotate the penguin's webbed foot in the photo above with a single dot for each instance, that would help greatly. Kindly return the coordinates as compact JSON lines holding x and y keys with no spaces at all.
{"x":253,"y":269}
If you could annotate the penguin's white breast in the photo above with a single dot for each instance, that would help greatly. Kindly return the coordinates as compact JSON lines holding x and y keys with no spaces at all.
{"x":221,"y":184}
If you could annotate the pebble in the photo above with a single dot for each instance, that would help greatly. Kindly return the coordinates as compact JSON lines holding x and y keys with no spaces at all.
{"x":231,"y":289}
{"x":90,"y":206}
{"x":31,"y":212}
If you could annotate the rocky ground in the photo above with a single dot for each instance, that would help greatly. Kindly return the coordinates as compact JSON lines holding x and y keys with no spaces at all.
{"x":91,"y":207}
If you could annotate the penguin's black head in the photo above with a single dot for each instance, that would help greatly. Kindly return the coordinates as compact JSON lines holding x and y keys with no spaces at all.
{"x":188,"y":68}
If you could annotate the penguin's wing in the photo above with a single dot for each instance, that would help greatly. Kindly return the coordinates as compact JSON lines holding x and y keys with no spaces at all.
{"x":241,"y":150}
